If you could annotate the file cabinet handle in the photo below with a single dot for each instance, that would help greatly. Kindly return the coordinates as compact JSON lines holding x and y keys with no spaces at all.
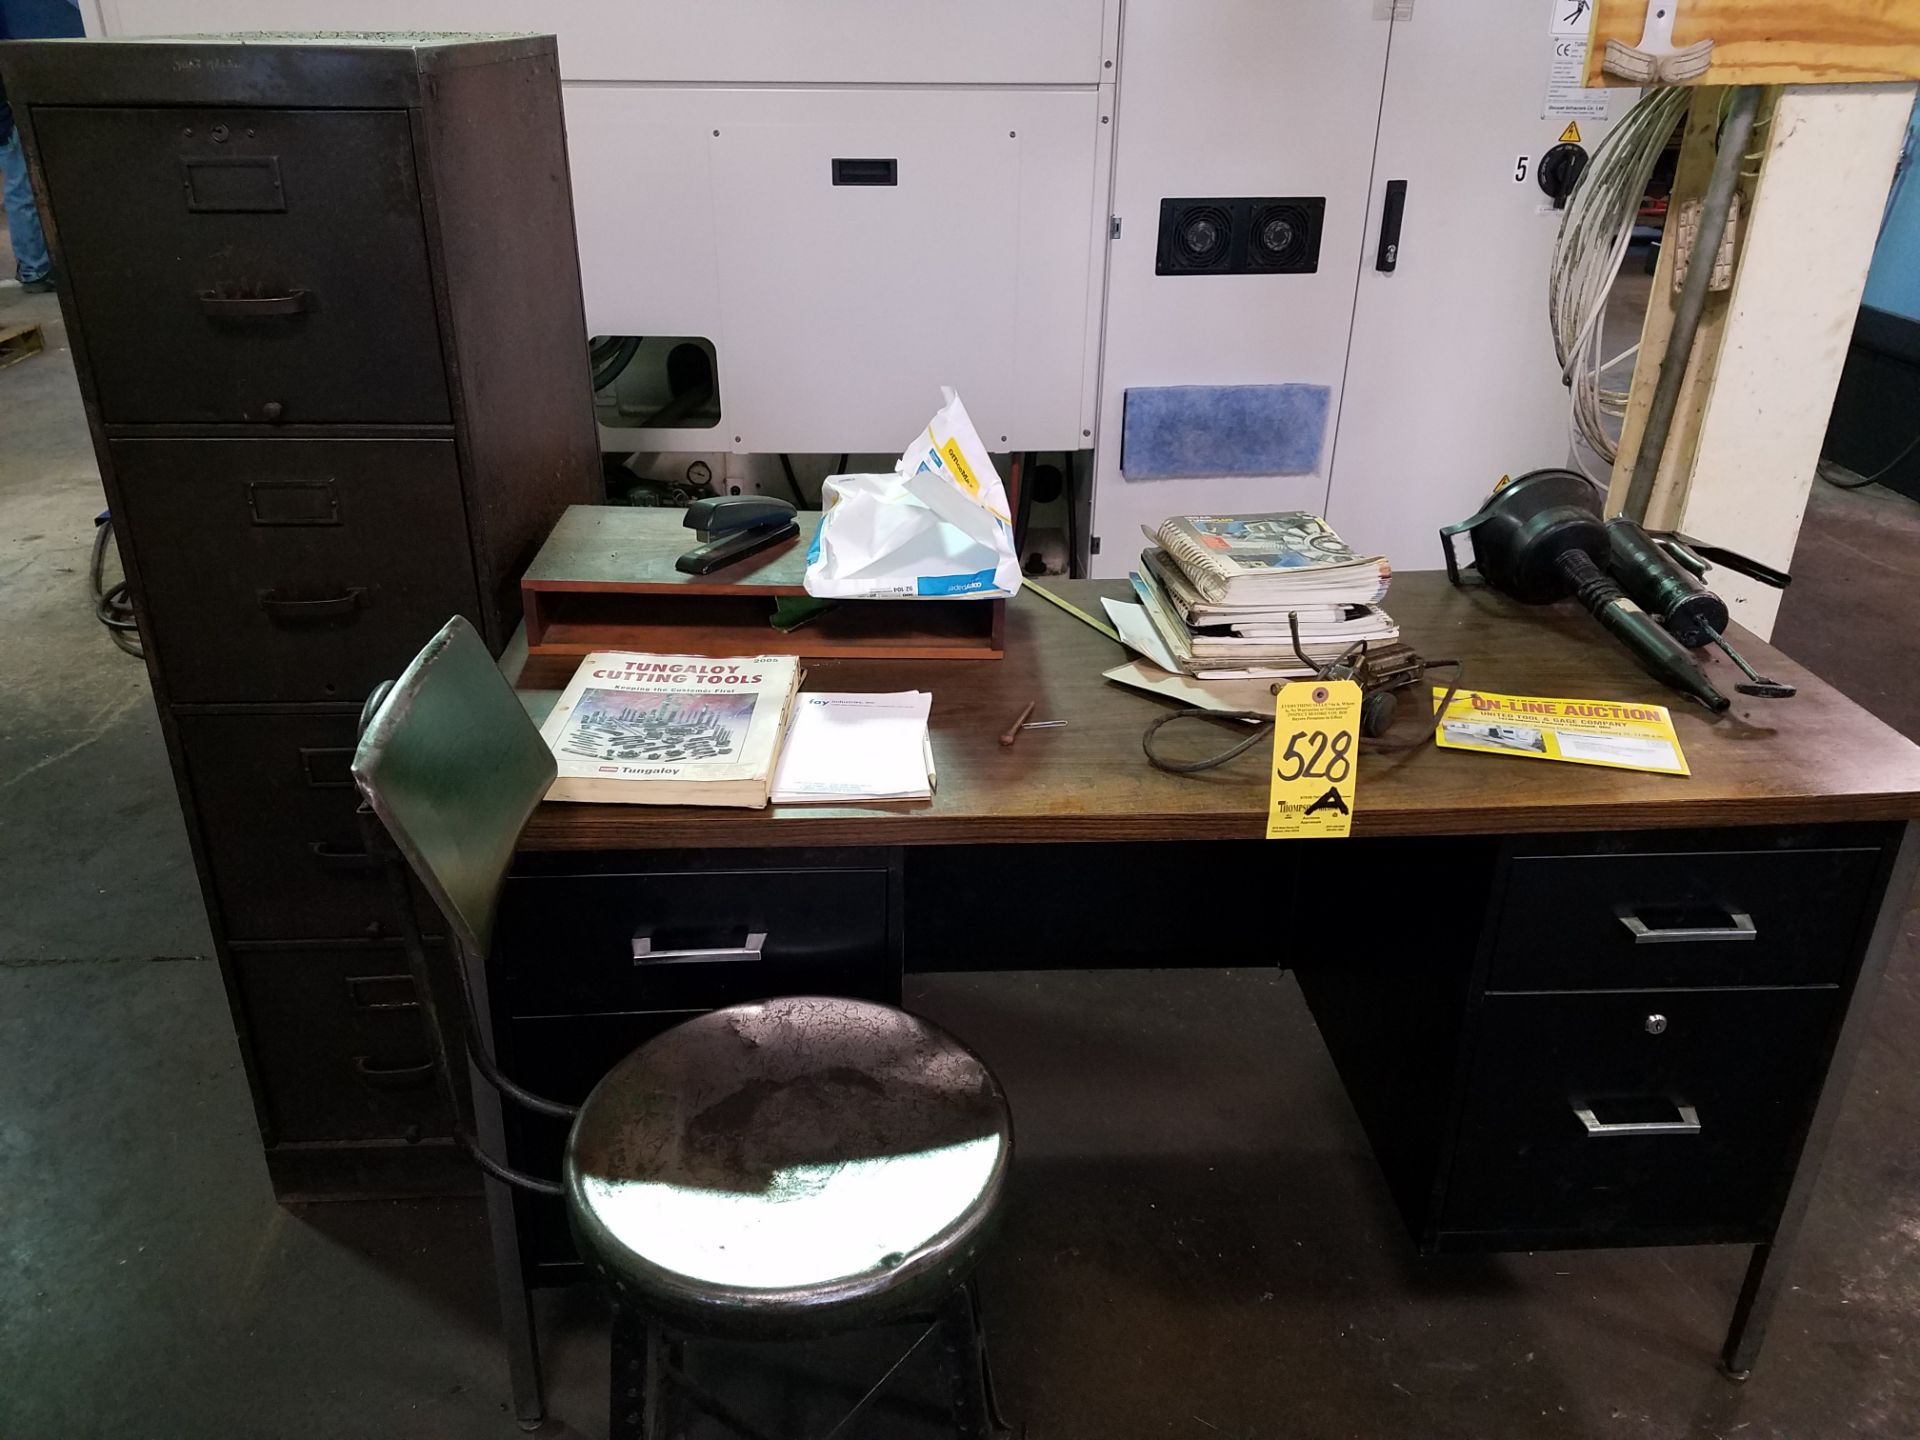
{"x":645,"y":954}
{"x":278,"y":607}
{"x":362,"y":996}
{"x":254,"y":307}
{"x":1688,"y":1123}
{"x":393,"y":1077}
{"x":1739,"y":926}
{"x":336,"y":857}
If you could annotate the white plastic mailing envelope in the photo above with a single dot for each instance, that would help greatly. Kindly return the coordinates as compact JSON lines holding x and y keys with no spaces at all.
{"x":938,"y":528}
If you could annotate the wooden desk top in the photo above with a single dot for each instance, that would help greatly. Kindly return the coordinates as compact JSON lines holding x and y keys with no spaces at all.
{"x":1815,"y":758}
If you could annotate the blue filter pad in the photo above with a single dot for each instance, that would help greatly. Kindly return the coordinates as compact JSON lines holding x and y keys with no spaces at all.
{"x":1180,"y":431}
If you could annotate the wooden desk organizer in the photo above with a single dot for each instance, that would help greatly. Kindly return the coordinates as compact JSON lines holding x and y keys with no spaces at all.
{"x":605,"y":580}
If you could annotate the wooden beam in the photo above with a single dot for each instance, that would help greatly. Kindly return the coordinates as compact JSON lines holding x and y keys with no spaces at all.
{"x":1776,"y":42}
{"x":1829,"y":156}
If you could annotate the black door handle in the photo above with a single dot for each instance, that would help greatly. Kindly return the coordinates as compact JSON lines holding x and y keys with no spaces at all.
{"x":1390,"y":212}
{"x":278,"y":607}
{"x":256,"y":307}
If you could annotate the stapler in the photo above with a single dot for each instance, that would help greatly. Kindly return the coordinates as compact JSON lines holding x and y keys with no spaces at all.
{"x":732,"y":527}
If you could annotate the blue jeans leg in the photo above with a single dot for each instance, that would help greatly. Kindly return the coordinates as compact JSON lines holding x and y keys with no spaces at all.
{"x":30,"y":258}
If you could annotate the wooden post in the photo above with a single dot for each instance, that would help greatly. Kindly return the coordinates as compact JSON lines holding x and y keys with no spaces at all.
{"x":1767,"y":362}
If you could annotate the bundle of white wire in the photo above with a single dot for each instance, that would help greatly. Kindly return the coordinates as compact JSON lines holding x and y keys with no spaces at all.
{"x":1594,"y":235}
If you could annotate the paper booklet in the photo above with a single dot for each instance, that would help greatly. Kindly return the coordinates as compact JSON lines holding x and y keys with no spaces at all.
{"x":1288,"y":558}
{"x":848,"y":748}
{"x":671,"y":729}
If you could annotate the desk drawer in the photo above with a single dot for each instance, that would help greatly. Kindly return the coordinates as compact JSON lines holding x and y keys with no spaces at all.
{"x":279,"y":815}
{"x":1620,"y":922}
{"x":293,"y":570}
{"x":247,"y":265}
{"x":339,"y":1043}
{"x":1529,"y":1169}
{"x":567,"y":944}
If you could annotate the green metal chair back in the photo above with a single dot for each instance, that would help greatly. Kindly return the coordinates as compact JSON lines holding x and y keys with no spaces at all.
{"x":453,"y":767}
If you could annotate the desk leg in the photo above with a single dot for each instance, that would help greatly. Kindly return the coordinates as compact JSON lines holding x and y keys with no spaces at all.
{"x":1767,"y":1270}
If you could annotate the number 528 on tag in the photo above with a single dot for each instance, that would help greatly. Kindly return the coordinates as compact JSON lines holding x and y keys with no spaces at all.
{"x":1316,"y":744}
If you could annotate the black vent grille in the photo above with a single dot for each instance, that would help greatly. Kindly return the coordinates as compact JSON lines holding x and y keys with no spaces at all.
{"x":1247,"y":236}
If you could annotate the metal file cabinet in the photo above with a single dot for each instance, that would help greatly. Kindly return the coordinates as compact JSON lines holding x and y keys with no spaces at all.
{"x":324,"y":303}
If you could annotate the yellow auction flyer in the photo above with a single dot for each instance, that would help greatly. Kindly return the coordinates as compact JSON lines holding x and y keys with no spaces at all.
{"x":1619,"y":735}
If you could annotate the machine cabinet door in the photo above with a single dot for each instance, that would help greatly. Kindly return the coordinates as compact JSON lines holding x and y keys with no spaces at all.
{"x":1451,"y":381}
{"x":1231,"y":99}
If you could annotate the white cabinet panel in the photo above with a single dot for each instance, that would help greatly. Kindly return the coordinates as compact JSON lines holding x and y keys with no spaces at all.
{"x":1452,"y":380}
{"x":891,"y":42}
{"x":1231,"y":98}
{"x":838,"y":311}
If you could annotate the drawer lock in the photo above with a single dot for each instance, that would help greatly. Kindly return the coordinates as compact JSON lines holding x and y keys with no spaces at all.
{"x":1656,"y":1024}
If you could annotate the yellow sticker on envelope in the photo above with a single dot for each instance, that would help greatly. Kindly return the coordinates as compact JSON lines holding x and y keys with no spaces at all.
{"x":1622,"y":735}
{"x":957,"y":464}
{"x":1316,"y":757}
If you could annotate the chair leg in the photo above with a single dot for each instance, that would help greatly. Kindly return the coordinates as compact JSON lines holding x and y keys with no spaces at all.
{"x":516,"y":1309}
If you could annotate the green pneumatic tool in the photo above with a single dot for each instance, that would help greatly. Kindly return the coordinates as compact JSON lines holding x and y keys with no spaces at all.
{"x":1542,"y":538}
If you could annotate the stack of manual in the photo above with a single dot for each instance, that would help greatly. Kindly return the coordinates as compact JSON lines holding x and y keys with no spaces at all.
{"x":1225,"y":594}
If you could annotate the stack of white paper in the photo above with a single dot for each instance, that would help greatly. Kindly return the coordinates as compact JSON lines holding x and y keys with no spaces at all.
{"x":843,"y":748}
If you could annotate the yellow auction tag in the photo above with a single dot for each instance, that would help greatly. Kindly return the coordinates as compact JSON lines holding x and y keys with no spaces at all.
{"x":1316,"y":752}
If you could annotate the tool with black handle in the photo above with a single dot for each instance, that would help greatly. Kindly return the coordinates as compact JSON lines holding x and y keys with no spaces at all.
{"x":1662,"y":575}
{"x":1541,"y":539}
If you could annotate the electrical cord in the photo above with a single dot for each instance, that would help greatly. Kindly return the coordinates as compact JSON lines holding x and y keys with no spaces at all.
{"x":610,"y":355}
{"x":1825,"y":470}
{"x":1594,"y":235}
{"x":1263,"y":730}
{"x":793,"y":482}
{"x":112,"y":605}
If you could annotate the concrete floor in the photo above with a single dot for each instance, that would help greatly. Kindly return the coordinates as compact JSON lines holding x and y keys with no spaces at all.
{"x":1198,"y":1244}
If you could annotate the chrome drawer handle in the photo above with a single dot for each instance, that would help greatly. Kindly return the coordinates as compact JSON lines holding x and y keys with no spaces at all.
{"x":645,"y":954}
{"x":1739,"y":926}
{"x":1687,"y":1124}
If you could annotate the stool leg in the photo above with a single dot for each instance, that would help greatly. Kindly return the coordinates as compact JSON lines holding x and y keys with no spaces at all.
{"x":634,"y":1404}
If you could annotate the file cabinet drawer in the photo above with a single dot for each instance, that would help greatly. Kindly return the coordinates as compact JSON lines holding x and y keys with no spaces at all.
{"x":1619,"y":922}
{"x":692,"y":939}
{"x":293,"y":570}
{"x":340,"y":1045}
{"x":279,"y":814}
{"x":280,"y":273}
{"x":1641,"y":1118}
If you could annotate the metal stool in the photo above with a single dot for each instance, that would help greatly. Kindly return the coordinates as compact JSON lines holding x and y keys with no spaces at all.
{"x":783,"y":1170}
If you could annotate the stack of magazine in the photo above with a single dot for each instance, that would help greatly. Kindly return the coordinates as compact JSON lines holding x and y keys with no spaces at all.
{"x":1230,"y":595}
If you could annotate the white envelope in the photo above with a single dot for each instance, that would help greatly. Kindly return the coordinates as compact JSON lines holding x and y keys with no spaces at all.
{"x":938,"y":528}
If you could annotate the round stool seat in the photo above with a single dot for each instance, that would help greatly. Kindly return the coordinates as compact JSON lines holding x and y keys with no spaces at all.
{"x":789,"y":1167}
